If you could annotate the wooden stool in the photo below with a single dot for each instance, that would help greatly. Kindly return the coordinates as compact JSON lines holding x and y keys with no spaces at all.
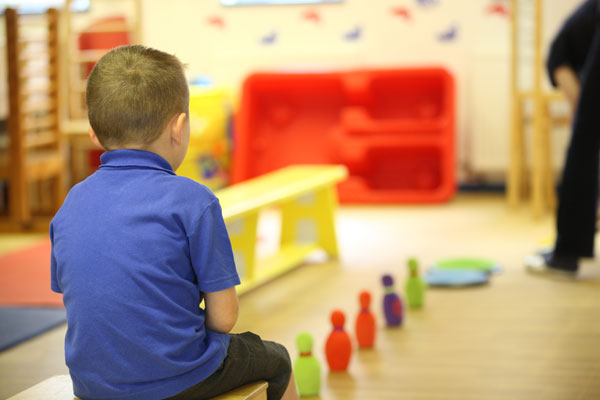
{"x":251,"y":391}
{"x":60,"y":388}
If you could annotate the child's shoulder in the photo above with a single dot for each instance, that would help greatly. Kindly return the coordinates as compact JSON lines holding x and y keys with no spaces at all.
{"x":192,"y":199}
{"x":188,"y":187}
{"x":177,"y":189}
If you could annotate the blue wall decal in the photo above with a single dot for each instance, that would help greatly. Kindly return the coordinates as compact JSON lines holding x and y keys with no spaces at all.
{"x":269,"y":39}
{"x":449,"y":35}
{"x":427,"y":3}
{"x":354,"y":34}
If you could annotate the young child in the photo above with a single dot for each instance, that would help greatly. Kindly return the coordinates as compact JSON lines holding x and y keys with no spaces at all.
{"x":135,"y":249}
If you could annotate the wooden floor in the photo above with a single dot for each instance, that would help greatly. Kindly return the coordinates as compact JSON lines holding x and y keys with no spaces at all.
{"x":521,"y":337}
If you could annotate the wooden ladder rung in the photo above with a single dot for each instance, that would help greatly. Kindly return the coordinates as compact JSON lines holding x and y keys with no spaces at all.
{"x":32,"y":40}
{"x":35,"y":71}
{"x":29,"y":47}
{"x":38,"y":106}
{"x":39,"y":124}
{"x":25,"y":62}
{"x":31,"y":55}
{"x":42,"y":138}
{"x":43,"y":165}
{"x":548,"y":96}
{"x":47,"y":88}
{"x":555,"y":119}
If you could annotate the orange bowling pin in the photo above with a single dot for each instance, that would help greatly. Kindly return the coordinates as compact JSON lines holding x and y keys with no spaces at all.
{"x":338,"y":348}
{"x":365,"y":322}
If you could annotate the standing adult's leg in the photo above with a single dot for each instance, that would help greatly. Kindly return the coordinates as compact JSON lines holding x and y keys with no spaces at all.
{"x":578,"y":193}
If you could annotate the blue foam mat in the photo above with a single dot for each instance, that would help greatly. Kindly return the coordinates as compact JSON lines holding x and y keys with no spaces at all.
{"x":455,"y":277}
{"x":18,"y":324}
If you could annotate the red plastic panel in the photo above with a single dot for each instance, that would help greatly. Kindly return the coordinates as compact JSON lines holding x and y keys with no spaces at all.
{"x":102,"y":40}
{"x":393,"y":129}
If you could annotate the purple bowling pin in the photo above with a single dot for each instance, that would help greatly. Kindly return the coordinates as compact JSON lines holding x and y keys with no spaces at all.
{"x":392,"y":303}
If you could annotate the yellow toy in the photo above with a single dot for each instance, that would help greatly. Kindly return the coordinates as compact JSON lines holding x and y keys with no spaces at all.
{"x":208,"y":157}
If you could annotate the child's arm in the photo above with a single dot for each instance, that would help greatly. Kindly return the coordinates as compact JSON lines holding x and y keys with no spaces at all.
{"x":221,"y":310}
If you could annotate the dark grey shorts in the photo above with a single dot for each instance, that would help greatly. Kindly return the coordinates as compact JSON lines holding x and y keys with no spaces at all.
{"x":249,"y":359}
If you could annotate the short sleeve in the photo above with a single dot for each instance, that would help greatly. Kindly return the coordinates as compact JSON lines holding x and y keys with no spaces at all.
{"x":211,"y":253}
{"x":53,"y":267}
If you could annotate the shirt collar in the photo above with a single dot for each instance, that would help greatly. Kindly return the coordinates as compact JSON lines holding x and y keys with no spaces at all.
{"x":130,"y":158}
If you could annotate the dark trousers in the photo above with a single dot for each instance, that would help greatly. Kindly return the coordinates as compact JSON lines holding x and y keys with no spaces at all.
{"x":578,"y":192}
{"x":249,"y":359}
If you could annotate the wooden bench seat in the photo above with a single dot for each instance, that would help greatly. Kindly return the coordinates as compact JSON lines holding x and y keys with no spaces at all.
{"x":307,"y":198}
{"x":60,"y":388}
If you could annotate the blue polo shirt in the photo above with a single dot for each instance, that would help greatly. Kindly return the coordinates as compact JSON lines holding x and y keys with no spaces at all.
{"x":133,"y":248}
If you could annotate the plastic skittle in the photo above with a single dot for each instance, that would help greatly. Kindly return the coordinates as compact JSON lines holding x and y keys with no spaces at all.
{"x":415,"y":287}
{"x":365,"y":322}
{"x":338,"y":347}
{"x":307,"y":370}
{"x":392,"y":304}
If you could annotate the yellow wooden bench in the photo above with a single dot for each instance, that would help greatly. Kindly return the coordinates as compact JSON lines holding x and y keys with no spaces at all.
{"x":60,"y":388}
{"x":307,"y":198}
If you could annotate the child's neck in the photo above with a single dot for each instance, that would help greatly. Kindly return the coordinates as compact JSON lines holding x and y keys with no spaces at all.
{"x":156,"y":147}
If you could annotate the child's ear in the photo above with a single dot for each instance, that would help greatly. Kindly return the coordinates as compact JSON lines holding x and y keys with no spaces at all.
{"x":177,"y":128}
{"x":94,"y":138}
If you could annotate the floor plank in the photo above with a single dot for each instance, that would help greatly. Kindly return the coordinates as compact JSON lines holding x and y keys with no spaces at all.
{"x":520,"y":337}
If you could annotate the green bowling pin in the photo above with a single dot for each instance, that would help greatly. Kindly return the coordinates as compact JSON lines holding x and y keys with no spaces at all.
{"x":415,"y":287}
{"x":307,"y":370}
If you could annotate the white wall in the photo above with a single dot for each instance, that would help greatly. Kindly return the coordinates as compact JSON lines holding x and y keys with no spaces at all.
{"x":478,"y":57}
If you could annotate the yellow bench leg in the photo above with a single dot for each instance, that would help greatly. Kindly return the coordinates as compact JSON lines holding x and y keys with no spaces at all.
{"x":310,"y":218}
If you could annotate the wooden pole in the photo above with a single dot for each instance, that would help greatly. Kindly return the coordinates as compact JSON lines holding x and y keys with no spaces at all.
{"x":549,"y":189}
{"x":514,"y":182}
{"x":537,"y":171}
{"x":18,"y":189}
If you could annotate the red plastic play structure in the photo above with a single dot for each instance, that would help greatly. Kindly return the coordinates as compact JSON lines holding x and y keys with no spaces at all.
{"x":393,"y":129}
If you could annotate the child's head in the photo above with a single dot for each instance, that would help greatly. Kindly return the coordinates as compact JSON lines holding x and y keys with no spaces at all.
{"x":132,"y":94}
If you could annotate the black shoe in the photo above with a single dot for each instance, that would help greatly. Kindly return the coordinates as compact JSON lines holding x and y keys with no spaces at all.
{"x":547,"y":263}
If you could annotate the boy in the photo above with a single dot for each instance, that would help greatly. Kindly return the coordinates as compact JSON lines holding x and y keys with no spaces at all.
{"x":136,"y":248}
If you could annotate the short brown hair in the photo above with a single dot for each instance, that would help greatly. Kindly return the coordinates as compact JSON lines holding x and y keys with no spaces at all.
{"x":133,"y":92}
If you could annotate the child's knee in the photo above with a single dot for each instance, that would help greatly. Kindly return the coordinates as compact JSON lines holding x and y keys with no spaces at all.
{"x":286,"y":362}
{"x":281,"y":369}
{"x":282,"y":359}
